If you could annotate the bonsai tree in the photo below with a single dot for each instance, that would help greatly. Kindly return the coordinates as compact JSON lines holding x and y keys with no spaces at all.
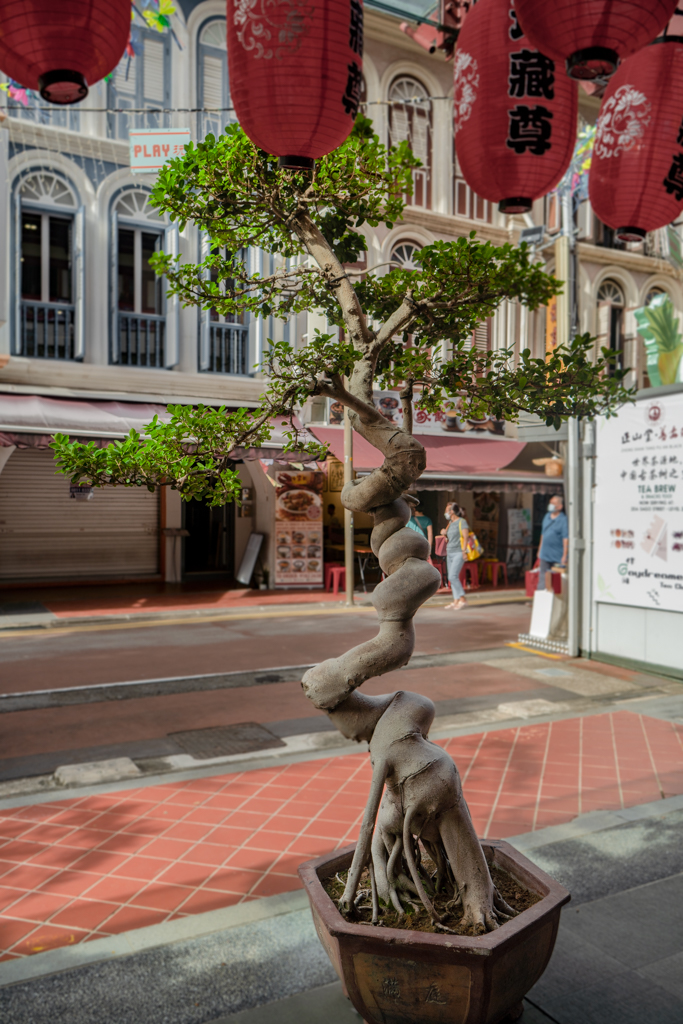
{"x":394,"y":327}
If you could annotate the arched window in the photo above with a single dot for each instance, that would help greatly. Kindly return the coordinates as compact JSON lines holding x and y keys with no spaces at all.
{"x":410,"y":120}
{"x":403,"y":256}
{"x":141,"y":82}
{"x":49,"y":268}
{"x":653,"y":293}
{"x":213,"y":91}
{"x":139,"y":316}
{"x":611,"y":319}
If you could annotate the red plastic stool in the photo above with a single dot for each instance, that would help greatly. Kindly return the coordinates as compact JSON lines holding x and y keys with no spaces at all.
{"x":496,"y":568}
{"x":337,"y":578}
{"x":329,"y":566}
{"x":471,"y":568}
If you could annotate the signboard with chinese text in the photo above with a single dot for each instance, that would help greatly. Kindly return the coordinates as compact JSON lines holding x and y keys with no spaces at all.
{"x":449,"y":420}
{"x":638,"y":541}
{"x":149,"y":150}
{"x":299,"y":528}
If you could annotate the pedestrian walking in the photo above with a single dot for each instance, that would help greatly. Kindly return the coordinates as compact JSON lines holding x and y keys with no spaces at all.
{"x":456,"y":532}
{"x":554,"y":539}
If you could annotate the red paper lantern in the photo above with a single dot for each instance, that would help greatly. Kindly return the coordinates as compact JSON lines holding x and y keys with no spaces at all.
{"x":515,"y":116}
{"x":636,"y":175}
{"x":61,"y":47}
{"x":592,"y":35}
{"x":296,"y":74}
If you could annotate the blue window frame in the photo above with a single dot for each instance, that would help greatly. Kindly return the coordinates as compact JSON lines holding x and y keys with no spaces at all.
{"x":213,"y":91}
{"x":142,"y":82}
{"x":49,"y":233}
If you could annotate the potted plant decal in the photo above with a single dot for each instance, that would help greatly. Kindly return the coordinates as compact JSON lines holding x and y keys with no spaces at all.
{"x":417,"y":844}
{"x":658,"y":327}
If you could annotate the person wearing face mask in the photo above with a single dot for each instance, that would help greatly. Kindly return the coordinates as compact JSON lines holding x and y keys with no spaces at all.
{"x":554,"y":539}
{"x":457,"y":533}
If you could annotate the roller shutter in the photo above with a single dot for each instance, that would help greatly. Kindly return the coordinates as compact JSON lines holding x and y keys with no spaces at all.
{"x":45,"y":534}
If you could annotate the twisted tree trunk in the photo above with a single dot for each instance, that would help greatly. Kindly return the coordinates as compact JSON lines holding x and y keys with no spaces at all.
{"x":423,"y":798}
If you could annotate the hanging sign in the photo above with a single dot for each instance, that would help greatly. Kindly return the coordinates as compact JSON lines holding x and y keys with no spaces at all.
{"x":639,"y":506}
{"x":149,"y":150}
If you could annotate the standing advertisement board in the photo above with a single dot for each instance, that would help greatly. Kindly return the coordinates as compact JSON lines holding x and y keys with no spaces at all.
{"x":298,"y":528}
{"x":638,"y":539}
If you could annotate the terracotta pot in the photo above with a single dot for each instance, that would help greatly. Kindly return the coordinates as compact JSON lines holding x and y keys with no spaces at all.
{"x":394,"y":976}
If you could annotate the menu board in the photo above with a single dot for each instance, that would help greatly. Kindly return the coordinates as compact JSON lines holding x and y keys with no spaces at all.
{"x":639,"y":506}
{"x":299,"y":529}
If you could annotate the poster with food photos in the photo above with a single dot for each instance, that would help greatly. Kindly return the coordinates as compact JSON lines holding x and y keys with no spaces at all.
{"x":299,"y":528}
{"x":638,"y":532}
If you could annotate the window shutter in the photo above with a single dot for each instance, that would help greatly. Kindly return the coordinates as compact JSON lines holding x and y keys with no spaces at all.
{"x":400,"y":129}
{"x":171,"y":346}
{"x":153,"y":86}
{"x":205,"y":314}
{"x":604,"y":316}
{"x":212,"y":83}
{"x":114,"y":287}
{"x":16,"y":347}
{"x":420,"y":139}
{"x":79,"y":283}
{"x":123,"y":79}
{"x":481,"y":336}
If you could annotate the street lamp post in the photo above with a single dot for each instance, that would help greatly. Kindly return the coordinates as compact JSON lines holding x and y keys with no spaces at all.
{"x":565,"y":270}
{"x":348,"y":514}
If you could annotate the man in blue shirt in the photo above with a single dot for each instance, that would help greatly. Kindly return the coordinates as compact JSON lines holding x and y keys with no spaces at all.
{"x":554,"y":539}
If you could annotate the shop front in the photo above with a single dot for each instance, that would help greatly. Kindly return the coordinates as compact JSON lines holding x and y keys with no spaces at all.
{"x":490,"y":476}
{"x":51,"y":531}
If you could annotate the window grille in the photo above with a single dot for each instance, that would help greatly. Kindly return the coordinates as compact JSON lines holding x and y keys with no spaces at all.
{"x":224,"y":340}
{"x":139,"y":328}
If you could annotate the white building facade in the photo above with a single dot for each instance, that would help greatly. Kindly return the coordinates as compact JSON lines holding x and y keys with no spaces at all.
{"x":86,"y":326}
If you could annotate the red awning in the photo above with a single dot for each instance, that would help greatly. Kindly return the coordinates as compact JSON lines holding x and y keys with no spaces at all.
{"x":445,"y":453}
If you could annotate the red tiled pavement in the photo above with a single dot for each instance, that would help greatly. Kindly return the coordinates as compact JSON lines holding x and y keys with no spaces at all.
{"x":72,"y":870}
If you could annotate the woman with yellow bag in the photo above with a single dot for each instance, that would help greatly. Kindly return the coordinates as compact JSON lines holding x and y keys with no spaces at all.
{"x":456,"y":533}
{"x":462,"y":546}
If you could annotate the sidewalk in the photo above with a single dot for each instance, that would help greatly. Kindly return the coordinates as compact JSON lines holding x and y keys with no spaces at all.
{"x":101,"y":863}
{"x":55,"y":605}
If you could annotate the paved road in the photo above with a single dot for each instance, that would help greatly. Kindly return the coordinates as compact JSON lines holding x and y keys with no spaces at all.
{"x":480,"y":672}
{"x":87,"y":655}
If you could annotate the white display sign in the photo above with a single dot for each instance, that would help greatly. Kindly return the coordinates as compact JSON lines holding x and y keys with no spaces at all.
{"x":638,"y":540}
{"x":149,"y":150}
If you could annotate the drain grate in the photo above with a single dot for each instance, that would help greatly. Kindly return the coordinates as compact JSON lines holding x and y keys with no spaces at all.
{"x":223,"y":740}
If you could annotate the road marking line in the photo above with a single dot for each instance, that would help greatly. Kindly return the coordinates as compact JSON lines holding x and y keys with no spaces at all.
{"x":532,"y":650}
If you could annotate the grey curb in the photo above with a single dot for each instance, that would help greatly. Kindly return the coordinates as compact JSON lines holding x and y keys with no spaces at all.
{"x":68,"y":957}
